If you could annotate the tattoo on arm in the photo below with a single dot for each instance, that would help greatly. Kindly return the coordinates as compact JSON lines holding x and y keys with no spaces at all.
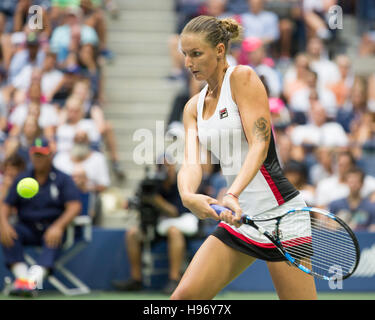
{"x":261,"y":129}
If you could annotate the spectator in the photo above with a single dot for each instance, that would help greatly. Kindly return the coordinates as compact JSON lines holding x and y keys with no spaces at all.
{"x":335,"y":187}
{"x":358,"y":212}
{"x":49,"y":76}
{"x":319,"y":131}
{"x":75,"y":39}
{"x":364,"y":141}
{"x":256,"y":57}
{"x":42,"y":220}
{"x":327,"y":70}
{"x":71,"y":74}
{"x":75,"y":121}
{"x":11,"y":168}
{"x":35,"y":104}
{"x":259,"y":23}
{"x":83,"y":91}
{"x":350,"y":116}
{"x":7,"y":11}
{"x":21,"y":143}
{"x":324,"y":166}
{"x":32,"y":54}
{"x":280,"y":114}
{"x":316,"y":17}
{"x":291,"y":26}
{"x":93,"y":16}
{"x":58,"y":9}
{"x":367,"y":45}
{"x":296,"y":173}
{"x":296,"y":77}
{"x":93,"y":163}
{"x":174,"y":222}
{"x":300,"y":100}
{"x":286,"y":150}
{"x":342,"y":87}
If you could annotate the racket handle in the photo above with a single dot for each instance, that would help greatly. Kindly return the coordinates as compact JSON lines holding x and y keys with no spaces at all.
{"x":219,"y":209}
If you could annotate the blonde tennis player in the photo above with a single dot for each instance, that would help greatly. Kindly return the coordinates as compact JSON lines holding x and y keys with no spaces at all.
{"x":230,"y":117}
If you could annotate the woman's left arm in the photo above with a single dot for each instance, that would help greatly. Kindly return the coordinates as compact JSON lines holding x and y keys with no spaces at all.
{"x":251,"y":98}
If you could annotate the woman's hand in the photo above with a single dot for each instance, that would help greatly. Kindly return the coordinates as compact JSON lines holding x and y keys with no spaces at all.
{"x":199,"y":204}
{"x":227,"y":216}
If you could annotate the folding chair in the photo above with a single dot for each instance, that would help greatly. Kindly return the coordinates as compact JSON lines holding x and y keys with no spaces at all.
{"x":152,"y":259}
{"x":75,"y":242}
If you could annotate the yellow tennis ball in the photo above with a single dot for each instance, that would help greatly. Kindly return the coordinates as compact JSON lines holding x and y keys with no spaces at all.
{"x":27,"y":188}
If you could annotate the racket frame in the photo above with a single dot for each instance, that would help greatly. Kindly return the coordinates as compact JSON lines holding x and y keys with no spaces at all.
{"x":251,"y":221}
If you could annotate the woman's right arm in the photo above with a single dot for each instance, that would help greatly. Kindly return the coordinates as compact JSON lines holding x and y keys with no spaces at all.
{"x":190,"y":173}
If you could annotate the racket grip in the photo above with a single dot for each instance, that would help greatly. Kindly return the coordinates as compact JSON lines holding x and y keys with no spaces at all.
{"x":219,"y":209}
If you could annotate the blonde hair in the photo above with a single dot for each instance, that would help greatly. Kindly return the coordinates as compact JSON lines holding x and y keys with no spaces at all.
{"x":215,"y":30}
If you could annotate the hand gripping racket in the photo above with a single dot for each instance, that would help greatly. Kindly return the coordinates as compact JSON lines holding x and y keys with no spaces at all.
{"x":313,"y":240}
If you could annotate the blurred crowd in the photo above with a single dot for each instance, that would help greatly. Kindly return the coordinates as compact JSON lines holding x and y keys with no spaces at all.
{"x":51,"y":87}
{"x":52,"y":100}
{"x":323,"y":112}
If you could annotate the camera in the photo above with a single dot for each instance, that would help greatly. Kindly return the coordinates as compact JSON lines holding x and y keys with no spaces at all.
{"x":148,"y":187}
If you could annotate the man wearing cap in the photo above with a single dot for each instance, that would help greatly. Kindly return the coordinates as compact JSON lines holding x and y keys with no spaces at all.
{"x":32,"y":54}
{"x":42,"y":220}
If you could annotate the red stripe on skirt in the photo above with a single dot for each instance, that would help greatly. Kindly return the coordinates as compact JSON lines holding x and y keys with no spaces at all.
{"x":269,"y":245}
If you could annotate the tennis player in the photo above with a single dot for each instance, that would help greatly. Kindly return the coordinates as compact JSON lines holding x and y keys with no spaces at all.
{"x":230,"y":118}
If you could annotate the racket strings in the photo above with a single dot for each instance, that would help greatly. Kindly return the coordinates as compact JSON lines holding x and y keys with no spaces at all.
{"x":322,"y":239}
{"x":324,"y":247}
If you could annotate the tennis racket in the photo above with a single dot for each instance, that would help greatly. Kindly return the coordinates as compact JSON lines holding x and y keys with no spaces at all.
{"x":313,"y":240}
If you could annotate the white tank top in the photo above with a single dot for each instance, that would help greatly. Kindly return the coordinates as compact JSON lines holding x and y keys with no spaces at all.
{"x":223,"y":135}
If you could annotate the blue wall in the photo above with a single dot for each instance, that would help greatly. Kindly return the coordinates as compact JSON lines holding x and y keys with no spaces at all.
{"x":104,"y":260}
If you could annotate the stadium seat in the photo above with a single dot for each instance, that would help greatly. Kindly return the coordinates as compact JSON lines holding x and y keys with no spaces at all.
{"x":154,"y":258}
{"x":78,"y":236}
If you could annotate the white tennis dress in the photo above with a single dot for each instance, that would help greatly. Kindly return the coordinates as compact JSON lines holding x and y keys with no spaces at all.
{"x":269,"y":192}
